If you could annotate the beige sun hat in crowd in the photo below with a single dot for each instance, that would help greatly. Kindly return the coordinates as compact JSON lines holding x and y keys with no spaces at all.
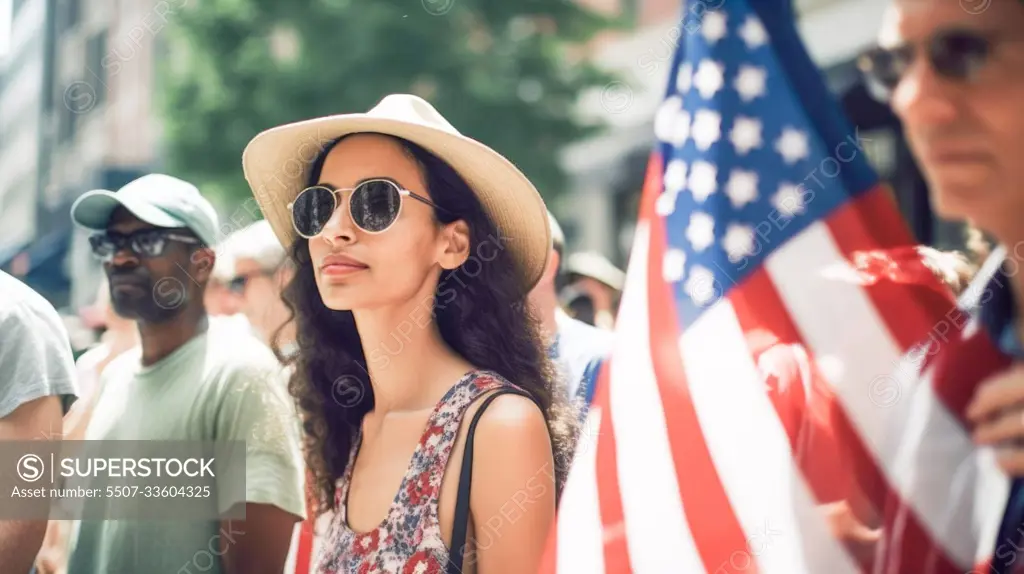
{"x":277,"y":165}
{"x":596,"y":266}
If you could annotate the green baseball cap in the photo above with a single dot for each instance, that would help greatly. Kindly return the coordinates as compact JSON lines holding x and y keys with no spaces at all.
{"x":157,"y":199}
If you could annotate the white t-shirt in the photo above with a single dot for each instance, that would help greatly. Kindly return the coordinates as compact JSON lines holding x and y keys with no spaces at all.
{"x":237,"y":323}
{"x":222,"y":385}
{"x":577,"y":346}
{"x":35,"y":350}
{"x":86,"y":365}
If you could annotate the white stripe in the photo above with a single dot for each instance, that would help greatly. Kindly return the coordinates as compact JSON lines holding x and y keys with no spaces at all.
{"x":862,"y":362}
{"x":319,"y":532}
{"x":963,"y":504}
{"x":293,"y":548}
{"x":658,"y":537}
{"x":786,"y":530}
{"x":579,"y":530}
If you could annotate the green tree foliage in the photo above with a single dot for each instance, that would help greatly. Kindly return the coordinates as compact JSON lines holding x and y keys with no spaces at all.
{"x":504,"y":72}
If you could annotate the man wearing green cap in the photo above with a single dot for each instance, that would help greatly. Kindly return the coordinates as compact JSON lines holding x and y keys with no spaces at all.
{"x":188,"y":381}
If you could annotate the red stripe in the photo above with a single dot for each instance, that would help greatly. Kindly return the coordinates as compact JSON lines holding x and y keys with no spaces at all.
{"x":304,"y":551}
{"x":548,"y":564}
{"x":871,"y":223}
{"x":884,"y":224}
{"x":921,"y":316}
{"x":959,"y":366}
{"x":616,"y":548}
{"x":716,"y":530}
{"x":771,"y":337}
{"x":911,"y":312}
{"x":827,"y":472}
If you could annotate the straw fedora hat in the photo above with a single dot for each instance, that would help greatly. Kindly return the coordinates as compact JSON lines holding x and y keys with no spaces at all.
{"x":277,"y":165}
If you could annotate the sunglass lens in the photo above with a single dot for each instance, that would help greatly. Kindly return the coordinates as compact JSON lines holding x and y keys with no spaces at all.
{"x":102,"y":245}
{"x":312,"y":209}
{"x":149,"y":244}
{"x":958,"y":55}
{"x":374,"y":205}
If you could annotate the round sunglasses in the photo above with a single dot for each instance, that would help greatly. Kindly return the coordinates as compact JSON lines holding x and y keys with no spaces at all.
{"x":955,"y":54}
{"x":374,"y":206}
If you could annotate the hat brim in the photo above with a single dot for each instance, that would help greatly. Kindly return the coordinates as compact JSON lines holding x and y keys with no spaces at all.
{"x":93,"y":210}
{"x":595,"y":269}
{"x":277,"y":165}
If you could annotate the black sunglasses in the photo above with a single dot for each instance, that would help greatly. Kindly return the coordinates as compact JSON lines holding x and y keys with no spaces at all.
{"x":954,"y":54}
{"x":143,"y":243}
{"x":374,"y":206}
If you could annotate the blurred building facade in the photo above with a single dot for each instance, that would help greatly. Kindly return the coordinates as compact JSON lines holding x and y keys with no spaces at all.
{"x":106,"y":125}
{"x":22,"y":108}
{"x":606,"y":172}
{"x":94,"y":125}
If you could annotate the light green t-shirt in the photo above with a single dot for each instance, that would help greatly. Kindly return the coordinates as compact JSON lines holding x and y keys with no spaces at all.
{"x":220,"y":386}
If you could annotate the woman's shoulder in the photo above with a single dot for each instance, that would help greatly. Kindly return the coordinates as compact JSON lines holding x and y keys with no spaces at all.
{"x":512,"y":449}
{"x":507,"y":412}
{"x":486,"y":380}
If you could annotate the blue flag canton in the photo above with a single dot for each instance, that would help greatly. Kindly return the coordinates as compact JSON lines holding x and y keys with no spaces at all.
{"x":744,"y":169}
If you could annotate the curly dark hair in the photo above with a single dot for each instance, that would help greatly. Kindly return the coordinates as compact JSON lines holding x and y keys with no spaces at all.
{"x":485,"y":320}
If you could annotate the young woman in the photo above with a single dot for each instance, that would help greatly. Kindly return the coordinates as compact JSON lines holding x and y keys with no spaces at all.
{"x":408,"y":299}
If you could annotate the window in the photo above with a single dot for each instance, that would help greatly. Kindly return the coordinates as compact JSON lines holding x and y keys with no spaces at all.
{"x":74,"y":11}
{"x":15,"y":7}
{"x":96,"y":74}
{"x":75,"y":101}
{"x":67,"y":15}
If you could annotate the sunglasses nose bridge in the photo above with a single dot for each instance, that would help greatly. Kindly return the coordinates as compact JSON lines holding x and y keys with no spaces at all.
{"x":122,"y":254}
{"x":340,"y":225}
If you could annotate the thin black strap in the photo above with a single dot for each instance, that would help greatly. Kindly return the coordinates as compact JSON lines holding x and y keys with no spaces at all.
{"x":458,"y":545}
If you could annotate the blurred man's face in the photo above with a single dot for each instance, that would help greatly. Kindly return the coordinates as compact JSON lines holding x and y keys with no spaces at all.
{"x":259,"y":292}
{"x":220,"y":300}
{"x":960,"y":99}
{"x":599,"y":293}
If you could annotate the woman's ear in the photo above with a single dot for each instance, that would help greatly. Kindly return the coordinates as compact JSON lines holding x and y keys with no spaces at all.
{"x":454,"y":245}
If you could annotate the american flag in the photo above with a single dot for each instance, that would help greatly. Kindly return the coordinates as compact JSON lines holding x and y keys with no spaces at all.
{"x":308,"y":536}
{"x":760,"y":215}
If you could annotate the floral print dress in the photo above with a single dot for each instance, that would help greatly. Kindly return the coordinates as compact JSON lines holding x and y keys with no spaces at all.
{"x":408,"y":541}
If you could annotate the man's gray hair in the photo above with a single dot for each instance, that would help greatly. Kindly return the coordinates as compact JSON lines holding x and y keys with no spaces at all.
{"x":257,"y":242}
